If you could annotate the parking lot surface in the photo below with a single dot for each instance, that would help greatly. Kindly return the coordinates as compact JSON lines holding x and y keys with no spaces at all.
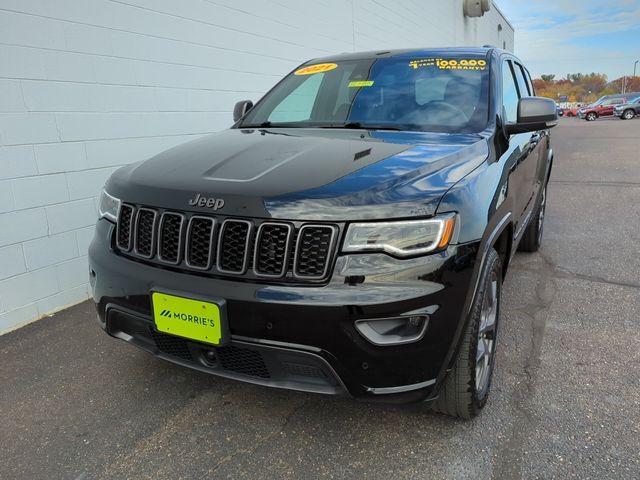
{"x":76,"y":404}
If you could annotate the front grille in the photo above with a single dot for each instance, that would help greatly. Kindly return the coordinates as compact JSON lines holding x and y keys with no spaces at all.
{"x":234,"y":245}
{"x":287,"y":251}
{"x":171,"y":345}
{"x":232,"y":358}
{"x":200,"y":242}
{"x":123,"y":233}
{"x":145,"y":232}
{"x":272,"y":249}
{"x":315,"y":243}
{"x":242,"y":360}
{"x":170,"y":242}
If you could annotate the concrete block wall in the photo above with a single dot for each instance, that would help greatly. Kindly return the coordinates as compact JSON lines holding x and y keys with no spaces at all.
{"x":87,"y":86}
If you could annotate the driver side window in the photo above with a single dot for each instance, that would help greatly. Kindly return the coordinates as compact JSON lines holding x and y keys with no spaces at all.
{"x":509,"y":94}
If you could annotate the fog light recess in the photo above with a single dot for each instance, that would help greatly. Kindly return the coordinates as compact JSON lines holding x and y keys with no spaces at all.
{"x":406,"y":328}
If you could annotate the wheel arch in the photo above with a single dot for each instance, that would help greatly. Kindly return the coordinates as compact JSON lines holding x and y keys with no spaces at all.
{"x":503,"y":244}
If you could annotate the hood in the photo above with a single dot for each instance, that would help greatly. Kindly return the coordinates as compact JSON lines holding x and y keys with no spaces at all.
{"x":305,"y":174}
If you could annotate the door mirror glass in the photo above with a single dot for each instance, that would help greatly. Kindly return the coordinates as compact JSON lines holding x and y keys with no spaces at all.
{"x":241,"y":108}
{"x":534,"y":113}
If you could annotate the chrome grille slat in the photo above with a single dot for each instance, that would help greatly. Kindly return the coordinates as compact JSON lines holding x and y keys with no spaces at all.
{"x":253,"y":249}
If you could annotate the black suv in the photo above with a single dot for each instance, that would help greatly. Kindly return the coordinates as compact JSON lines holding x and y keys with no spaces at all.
{"x":349,"y":234}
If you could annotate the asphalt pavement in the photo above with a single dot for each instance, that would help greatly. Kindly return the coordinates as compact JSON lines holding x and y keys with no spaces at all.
{"x":565,"y":404}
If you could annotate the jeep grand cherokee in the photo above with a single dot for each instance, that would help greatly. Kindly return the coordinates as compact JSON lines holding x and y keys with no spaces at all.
{"x":349,"y":234}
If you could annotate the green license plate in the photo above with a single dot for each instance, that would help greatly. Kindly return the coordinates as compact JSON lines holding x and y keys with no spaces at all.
{"x":187,"y":318}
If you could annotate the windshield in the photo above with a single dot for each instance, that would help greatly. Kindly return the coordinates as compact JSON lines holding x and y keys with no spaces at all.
{"x":436,"y":94}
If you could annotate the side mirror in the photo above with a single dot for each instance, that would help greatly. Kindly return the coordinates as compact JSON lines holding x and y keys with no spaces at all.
{"x":534,"y":113}
{"x":241,"y":108}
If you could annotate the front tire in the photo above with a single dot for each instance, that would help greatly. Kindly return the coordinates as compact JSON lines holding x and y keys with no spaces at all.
{"x":532,"y":237}
{"x":591,"y":116}
{"x":628,"y":114}
{"x":466,"y":387}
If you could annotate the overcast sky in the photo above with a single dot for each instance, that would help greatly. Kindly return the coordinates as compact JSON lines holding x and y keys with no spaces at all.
{"x":570,"y":36}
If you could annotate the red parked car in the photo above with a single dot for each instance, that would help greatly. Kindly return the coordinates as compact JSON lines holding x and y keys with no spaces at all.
{"x":604,"y":106}
{"x":572,"y":112}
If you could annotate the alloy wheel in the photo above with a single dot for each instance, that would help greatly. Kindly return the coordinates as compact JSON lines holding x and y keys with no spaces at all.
{"x":487,"y":335}
{"x":628,"y":115}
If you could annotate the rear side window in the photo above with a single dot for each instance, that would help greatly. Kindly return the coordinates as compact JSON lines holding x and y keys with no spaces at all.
{"x":523,"y":88}
{"x":527,"y":76}
{"x":509,"y":94}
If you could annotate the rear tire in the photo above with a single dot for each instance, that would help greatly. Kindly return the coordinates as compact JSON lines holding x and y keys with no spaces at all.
{"x":628,"y":114}
{"x":591,"y":116}
{"x":532,"y":237}
{"x":466,"y":387}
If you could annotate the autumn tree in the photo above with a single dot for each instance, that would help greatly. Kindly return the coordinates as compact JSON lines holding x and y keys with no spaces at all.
{"x":577,"y":87}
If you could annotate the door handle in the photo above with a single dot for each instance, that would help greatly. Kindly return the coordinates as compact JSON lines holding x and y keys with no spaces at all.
{"x":534,"y":140}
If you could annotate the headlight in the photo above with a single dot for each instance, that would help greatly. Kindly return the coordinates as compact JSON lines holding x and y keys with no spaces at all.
{"x":402,"y":238}
{"x":109,"y":207}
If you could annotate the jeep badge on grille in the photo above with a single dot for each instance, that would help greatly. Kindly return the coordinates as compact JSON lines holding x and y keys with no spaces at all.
{"x":209,"y":202}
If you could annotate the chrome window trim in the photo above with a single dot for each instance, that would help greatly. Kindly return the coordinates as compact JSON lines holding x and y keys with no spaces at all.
{"x":332,"y":243}
{"x":153,"y":232}
{"x":287,"y":250}
{"x":246,"y":247}
{"x":131,"y":227}
{"x":188,"y":242}
{"x":180,"y":236}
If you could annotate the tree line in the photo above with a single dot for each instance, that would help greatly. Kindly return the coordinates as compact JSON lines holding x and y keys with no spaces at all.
{"x":583,"y":87}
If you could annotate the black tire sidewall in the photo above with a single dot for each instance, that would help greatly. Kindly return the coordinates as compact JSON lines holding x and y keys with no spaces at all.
{"x":493,"y":264}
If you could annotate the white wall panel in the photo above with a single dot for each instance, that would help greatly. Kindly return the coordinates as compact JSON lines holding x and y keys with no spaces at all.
{"x":87,"y":86}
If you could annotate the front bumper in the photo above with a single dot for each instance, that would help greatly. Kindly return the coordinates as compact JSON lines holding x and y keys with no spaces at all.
{"x":302,"y":337}
{"x":617,"y":113}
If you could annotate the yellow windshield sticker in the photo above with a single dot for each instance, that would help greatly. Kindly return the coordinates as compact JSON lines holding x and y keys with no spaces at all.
{"x":450,"y":64}
{"x":360,"y":83}
{"x":319,"y":68}
{"x":423,"y":62}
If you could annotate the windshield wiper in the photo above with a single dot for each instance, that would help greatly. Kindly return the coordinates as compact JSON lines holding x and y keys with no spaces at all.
{"x":268,"y":124}
{"x":261,"y":125}
{"x":361,"y":126}
{"x":349,"y":125}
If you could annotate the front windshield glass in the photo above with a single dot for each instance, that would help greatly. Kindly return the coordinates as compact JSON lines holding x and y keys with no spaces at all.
{"x":436,"y":94}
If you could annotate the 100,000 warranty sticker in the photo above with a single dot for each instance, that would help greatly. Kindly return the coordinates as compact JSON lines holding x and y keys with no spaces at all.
{"x":451,"y":64}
